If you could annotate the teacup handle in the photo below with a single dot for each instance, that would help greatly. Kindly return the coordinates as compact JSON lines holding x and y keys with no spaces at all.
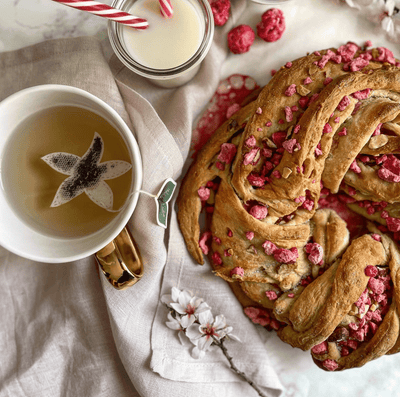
{"x":120,"y":261}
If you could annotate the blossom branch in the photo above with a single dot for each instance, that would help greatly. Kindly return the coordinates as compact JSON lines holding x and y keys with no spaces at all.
{"x":221,"y":345}
{"x":196,"y":326}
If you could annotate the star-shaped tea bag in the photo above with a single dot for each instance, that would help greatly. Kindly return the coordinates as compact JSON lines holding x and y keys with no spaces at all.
{"x":87,"y":174}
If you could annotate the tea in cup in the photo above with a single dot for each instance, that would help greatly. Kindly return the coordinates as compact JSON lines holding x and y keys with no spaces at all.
{"x":70,"y":172}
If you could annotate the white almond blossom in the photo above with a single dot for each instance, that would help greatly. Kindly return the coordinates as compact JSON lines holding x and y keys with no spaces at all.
{"x":390,"y":20}
{"x":184,"y":303}
{"x":192,"y":318}
{"x":386,"y":13}
{"x":180,"y":324}
{"x":207,"y":331}
{"x":172,"y":297}
{"x":371,"y":9}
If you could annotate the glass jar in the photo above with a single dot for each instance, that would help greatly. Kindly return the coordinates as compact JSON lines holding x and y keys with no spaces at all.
{"x":170,"y":76}
{"x":270,"y":2}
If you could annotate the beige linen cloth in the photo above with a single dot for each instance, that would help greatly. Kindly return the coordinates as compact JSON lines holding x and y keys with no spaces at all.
{"x":64,"y":331}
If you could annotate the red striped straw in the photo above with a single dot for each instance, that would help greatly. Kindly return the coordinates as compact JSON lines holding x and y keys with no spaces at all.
{"x":166,"y":8}
{"x":105,"y":11}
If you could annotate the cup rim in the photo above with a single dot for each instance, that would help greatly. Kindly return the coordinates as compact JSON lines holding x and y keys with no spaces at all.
{"x":136,"y":182}
{"x":162,"y":74}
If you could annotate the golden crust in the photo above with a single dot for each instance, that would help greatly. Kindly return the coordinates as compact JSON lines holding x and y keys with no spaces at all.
{"x":324,"y":303}
{"x":287,"y":256}
{"x":378,"y":346}
{"x":346,"y":148}
{"x":200,"y":172}
{"x":328,"y":230}
{"x":386,"y":338}
{"x":249,"y":254}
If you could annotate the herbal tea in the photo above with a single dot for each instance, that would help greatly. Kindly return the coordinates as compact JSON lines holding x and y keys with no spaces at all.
{"x":66,"y":171}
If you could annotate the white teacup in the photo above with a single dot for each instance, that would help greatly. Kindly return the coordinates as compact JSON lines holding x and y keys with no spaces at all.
{"x":15,"y":234}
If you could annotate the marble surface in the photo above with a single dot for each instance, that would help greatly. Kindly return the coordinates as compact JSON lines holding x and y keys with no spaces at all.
{"x":26,"y":22}
{"x":324,"y":23}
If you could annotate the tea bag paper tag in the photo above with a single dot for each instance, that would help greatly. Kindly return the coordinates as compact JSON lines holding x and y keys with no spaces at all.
{"x":162,"y":199}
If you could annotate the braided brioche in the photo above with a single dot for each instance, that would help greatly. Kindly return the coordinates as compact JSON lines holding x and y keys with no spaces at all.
{"x":325,"y":128}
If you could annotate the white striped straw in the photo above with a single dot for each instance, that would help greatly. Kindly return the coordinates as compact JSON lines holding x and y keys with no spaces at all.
{"x":166,"y":8}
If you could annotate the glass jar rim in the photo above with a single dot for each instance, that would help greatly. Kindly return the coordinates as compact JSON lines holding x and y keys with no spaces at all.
{"x":115,"y":28}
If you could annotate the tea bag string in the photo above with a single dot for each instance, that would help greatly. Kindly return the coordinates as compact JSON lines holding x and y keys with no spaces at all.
{"x":162,"y":198}
{"x":127,"y":200}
